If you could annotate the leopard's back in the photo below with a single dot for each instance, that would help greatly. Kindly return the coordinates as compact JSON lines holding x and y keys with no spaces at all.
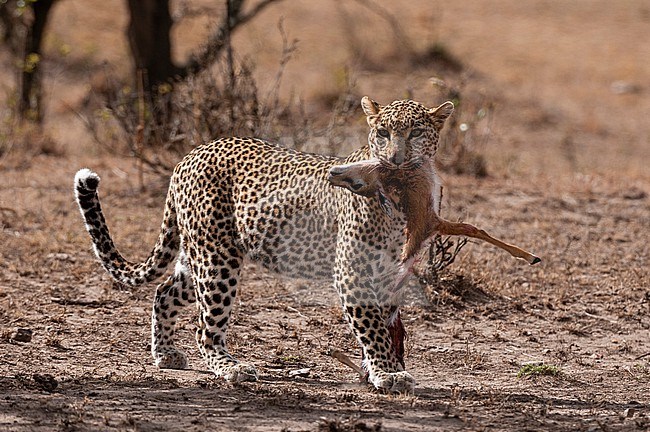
{"x":275,"y":202}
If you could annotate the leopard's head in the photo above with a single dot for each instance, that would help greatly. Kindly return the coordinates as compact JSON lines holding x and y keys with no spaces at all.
{"x":404,"y":133}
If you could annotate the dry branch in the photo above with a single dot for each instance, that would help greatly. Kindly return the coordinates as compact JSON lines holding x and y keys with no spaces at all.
{"x":233,"y":19}
{"x":343,"y":358}
{"x":642,"y":356}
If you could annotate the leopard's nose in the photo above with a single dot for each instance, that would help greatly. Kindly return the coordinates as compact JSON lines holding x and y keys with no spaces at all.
{"x":397,"y":159}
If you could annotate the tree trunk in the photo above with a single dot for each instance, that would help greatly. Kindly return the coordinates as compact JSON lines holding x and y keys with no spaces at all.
{"x":29,"y":81}
{"x":149,"y":38}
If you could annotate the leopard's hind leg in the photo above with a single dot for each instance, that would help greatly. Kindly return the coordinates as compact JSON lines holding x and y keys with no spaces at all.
{"x":172,"y":295}
{"x":215,"y":273}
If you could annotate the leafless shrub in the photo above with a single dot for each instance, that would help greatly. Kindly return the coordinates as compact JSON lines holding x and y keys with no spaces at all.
{"x":345,"y":109}
{"x":401,"y":50}
{"x":401,"y":47}
{"x":437,"y":56}
{"x":160,"y":128}
{"x":21,"y":141}
{"x":441,"y":254}
{"x":223,"y":100}
{"x":442,"y":286}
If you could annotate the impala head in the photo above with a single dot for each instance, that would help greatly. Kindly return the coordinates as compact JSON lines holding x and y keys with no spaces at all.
{"x":363,"y":178}
{"x":404,"y":133}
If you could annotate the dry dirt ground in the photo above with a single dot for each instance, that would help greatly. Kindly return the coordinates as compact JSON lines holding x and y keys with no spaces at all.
{"x":567,"y":155}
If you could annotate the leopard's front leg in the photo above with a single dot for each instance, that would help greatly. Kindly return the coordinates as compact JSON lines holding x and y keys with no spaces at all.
{"x":370,"y":325}
{"x":371,"y":319}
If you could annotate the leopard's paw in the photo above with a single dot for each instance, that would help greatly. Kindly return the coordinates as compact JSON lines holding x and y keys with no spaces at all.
{"x":395,"y":382}
{"x":170,"y":358}
{"x":240,"y":372}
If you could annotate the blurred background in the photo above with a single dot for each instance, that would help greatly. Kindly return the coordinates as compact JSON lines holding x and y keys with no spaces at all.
{"x":543,"y":87}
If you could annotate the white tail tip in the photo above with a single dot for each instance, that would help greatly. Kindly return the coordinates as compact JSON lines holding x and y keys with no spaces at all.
{"x":86,"y":179}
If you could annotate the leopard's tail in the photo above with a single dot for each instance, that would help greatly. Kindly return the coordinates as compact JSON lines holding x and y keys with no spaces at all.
{"x":86,"y":183}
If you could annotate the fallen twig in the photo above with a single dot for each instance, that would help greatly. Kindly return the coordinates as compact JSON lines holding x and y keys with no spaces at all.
{"x":292,"y":309}
{"x":590,"y":315}
{"x":642,"y":356}
{"x":343,"y":358}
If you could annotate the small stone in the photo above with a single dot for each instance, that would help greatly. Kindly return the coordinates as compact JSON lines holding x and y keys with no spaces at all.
{"x":22,"y":335}
{"x":629,"y":413}
{"x":304,"y":373}
{"x":62,"y":257}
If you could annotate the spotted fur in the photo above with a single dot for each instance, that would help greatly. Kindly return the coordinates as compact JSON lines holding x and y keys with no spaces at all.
{"x":243,"y":197}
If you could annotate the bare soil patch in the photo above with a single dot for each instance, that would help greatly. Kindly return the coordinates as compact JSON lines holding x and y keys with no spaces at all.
{"x":584,"y":309}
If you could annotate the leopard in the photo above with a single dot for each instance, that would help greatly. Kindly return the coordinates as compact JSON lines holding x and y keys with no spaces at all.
{"x":240,"y":198}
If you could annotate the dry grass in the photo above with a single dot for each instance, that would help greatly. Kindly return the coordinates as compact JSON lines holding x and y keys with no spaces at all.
{"x":20,"y":142}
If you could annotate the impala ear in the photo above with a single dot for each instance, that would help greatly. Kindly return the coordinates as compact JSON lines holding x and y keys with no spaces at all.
{"x":385,"y":203}
{"x":371,"y":109}
{"x":440,"y":114}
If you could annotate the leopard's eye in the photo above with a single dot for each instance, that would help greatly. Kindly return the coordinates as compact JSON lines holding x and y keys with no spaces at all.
{"x":415,"y":133}
{"x":383,"y":132}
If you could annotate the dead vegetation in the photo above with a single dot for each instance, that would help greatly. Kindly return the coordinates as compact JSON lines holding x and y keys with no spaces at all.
{"x":222,"y":100}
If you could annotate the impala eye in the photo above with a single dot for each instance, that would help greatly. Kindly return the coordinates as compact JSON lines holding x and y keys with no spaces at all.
{"x":415,"y":133}
{"x":383,"y":133}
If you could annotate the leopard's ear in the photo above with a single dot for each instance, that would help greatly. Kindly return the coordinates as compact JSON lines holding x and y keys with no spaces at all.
{"x":440,"y":114}
{"x":371,"y":109}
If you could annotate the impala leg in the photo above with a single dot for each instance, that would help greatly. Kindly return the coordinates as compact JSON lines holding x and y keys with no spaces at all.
{"x":467,"y":230}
